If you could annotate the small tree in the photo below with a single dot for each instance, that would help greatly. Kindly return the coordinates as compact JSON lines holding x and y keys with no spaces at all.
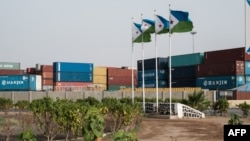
{"x":244,"y":108}
{"x":198,"y":101}
{"x":93,"y":127}
{"x":222,"y":105}
{"x":121,"y":135}
{"x":235,"y":120}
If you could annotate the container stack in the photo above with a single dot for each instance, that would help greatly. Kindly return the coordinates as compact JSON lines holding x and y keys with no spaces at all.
{"x":100,"y":78}
{"x":46,"y":71}
{"x":71,"y":76}
{"x":150,"y":72}
{"x":119,"y":78}
{"x":222,"y":69}
{"x":183,"y":69}
{"x":10,"y":68}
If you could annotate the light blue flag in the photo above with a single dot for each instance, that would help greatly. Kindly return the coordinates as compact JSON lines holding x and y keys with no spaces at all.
{"x":180,"y":22}
{"x":248,"y":1}
{"x":161,"y":25}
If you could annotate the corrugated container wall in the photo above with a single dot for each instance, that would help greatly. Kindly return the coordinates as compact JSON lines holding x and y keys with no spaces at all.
{"x":220,"y":82}
{"x":100,"y":78}
{"x":151,"y":74}
{"x":10,"y":65}
{"x":9,"y":72}
{"x":149,"y":64}
{"x":73,"y":77}
{"x":183,"y":72}
{"x":72,"y":67}
{"x":224,"y":56}
{"x":187,"y":59}
{"x":152,"y":84}
{"x":220,"y":69}
{"x":20,"y":83}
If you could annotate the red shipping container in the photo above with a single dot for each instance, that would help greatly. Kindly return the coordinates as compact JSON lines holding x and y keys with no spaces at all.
{"x":227,"y":68}
{"x":47,"y":81}
{"x":120,"y":72}
{"x":247,"y":57}
{"x":237,"y":95}
{"x":47,"y":68}
{"x":223,"y":56}
{"x":120,"y":80}
{"x":47,"y":75}
{"x":31,"y":70}
{"x":8,"y":72}
{"x":72,"y":84}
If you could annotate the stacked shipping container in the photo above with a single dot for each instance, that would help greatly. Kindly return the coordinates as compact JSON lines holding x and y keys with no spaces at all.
{"x":222,"y":69}
{"x":72,"y":76}
{"x":118,"y":78}
{"x":100,"y":78}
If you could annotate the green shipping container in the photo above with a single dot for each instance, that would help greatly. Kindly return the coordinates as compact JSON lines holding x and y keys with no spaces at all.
{"x":10,"y":66}
{"x":117,"y":87}
{"x":187,"y":59}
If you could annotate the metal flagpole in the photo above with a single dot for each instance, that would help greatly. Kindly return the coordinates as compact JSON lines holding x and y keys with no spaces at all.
{"x":132,"y":59}
{"x":143,"y":83}
{"x":156,"y":69}
{"x":170,"y":74}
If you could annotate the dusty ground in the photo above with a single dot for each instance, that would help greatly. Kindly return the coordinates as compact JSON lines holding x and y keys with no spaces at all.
{"x":159,"y":129}
{"x":207,"y":129}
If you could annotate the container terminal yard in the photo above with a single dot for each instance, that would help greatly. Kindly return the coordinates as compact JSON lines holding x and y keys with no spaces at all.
{"x":225,"y":72}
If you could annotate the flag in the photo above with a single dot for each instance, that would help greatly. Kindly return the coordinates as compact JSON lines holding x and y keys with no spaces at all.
{"x":180,"y":22}
{"x":248,"y":1}
{"x":148,"y":26}
{"x":161,"y":25}
{"x":138,"y":36}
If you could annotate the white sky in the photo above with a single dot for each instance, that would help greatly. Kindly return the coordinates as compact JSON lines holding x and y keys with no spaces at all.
{"x":99,"y":31}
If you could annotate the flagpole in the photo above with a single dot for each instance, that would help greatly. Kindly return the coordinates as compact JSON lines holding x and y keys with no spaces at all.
{"x":156,"y":70}
{"x":132,"y":59}
{"x":143,"y":83}
{"x":170,"y":73}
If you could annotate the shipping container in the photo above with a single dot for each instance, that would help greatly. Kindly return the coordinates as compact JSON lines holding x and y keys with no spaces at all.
{"x":117,"y":87}
{"x":239,"y":95}
{"x":151,"y":74}
{"x":101,"y":71}
{"x":220,"y":82}
{"x":247,"y":57}
{"x":184,"y":72}
{"x":31,"y":71}
{"x":73,"y":76}
{"x":11,"y":72}
{"x":247,"y":67}
{"x":73,"y":84}
{"x":46,"y":74}
{"x":10,"y":65}
{"x":72,"y":67}
{"x":20,"y":83}
{"x":47,"y":87}
{"x":184,"y":83}
{"x":223,"y":56}
{"x":120,"y":80}
{"x":150,"y":64}
{"x":152,"y":84}
{"x":100,"y":79}
{"x":120,"y":72}
{"x":187,"y":59}
{"x":47,"y":81}
{"x":46,"y":68}
{"x":221,"y":69}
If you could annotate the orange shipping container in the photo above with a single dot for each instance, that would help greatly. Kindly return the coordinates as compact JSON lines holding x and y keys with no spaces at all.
{"x":7,"y":72}
{"x":47,"y":81}
{"x":47,"y":75}
{"x":47,"y":68}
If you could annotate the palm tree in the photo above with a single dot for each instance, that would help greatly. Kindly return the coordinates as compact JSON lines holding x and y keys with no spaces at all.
{"x":198,"y":101}
{"x":222,"y":106}
{"x":244,"y":108}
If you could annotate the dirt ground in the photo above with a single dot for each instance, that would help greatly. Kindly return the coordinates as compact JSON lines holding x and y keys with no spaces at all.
{"x":206,"y":129}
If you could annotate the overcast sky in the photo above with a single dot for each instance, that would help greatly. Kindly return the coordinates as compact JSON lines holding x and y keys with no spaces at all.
{"x":99,"y":31}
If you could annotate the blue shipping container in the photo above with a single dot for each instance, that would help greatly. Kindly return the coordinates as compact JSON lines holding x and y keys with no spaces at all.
{"x":184,"y":83}
{"x":220,"y":82}
{"x":20,"y":82}
{"x":151,"y":74}
{"x":73,"y":77}
{"x":72,"y":67}
{"x":149,"y":64}
{"x":152,"y":84}
{"x":247,"y":67}
{"x":185,"y":72}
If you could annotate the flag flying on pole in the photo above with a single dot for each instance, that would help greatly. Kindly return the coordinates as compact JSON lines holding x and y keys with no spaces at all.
{"x":138,"y":36}
{"x":248,"y":1}
{"x":148,"y":26}
{"x":180,"y":22}
{"x":161,"y":25}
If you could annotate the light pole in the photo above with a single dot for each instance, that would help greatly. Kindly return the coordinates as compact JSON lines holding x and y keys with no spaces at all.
{"x":193,"y":33}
